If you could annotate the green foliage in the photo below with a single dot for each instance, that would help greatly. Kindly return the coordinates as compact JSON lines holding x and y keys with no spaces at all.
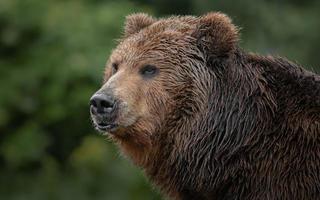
{"x":18,"y":152}
{"x":52,"y":56}
{"x":52,"y":59}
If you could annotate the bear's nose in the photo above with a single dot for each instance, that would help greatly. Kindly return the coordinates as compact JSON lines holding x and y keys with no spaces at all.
{"x":102,"y":104}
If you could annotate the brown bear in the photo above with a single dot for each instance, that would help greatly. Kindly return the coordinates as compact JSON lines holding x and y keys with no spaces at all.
{"x":204,"y":118}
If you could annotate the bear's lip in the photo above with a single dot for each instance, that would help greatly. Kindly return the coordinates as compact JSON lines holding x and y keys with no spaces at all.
{"x":107,"y":127}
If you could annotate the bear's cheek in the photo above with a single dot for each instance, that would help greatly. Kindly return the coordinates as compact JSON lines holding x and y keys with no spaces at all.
{"x":126,"y":115}
{"x":131,"y":104}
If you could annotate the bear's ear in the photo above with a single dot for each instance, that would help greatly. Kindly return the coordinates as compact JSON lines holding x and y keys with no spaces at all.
{"x":216,"y":35}
{"x":136,"y":22}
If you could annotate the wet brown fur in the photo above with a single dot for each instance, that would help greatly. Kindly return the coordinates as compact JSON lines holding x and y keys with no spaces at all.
{"x":217,"y":122}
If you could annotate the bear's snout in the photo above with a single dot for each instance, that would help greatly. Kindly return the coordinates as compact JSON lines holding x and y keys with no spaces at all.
{"x":103,"y":111}
{"x":102,"y":104}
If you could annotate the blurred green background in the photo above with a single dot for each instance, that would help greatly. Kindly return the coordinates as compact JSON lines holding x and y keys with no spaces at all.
{"x":52,"y":54}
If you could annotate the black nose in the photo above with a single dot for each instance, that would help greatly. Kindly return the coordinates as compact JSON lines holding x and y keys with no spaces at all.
{"x":102,"y":104}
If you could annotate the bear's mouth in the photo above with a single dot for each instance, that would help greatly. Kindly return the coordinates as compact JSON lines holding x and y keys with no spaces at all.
{"x":106,"y":127}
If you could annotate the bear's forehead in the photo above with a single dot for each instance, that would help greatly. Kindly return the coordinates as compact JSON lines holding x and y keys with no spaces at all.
{"x":179,"y":24}
{"x":156,"y":41}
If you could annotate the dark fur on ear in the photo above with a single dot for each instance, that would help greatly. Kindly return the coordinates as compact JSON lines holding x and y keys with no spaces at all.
{"x":136,"y":22}
{"x":216,"y":35}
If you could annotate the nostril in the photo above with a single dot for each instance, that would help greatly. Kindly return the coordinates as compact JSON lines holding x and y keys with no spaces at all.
{"x":93,"y":103}
{"x":93,"y":109}
{"x":106,"y":104}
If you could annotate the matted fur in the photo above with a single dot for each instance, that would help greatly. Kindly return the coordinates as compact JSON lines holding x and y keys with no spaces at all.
{"x":217,"y":122}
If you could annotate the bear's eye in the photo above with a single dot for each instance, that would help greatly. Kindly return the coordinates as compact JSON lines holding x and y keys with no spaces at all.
{"x":148,"y":71}
{"x":114,"y":68}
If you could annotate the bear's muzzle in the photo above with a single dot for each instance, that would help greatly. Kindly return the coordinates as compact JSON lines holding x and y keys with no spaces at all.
{"x":103,"y":110}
